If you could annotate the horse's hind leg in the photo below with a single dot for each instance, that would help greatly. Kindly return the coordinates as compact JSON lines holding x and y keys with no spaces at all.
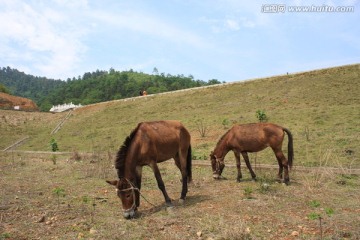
{"x":160,"y":183}
{"x":281,"y":169}
{"x":238,"y":166}
{"x":283,"y":165}
{"x":247,"y":161}
{"x":184,"y":177}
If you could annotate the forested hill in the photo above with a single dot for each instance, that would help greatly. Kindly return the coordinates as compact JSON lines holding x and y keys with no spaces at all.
{"x":21,"y":84}
{"x":93,"y":87}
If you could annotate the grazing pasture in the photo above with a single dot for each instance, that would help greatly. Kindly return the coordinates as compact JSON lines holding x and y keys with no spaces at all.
{"x":64,"y":195}
{"x":70,"y":200}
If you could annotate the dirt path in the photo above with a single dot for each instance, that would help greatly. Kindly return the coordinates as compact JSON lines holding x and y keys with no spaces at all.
{"x":204,"y":163}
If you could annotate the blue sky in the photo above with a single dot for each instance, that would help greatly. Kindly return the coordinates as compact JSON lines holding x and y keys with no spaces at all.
{"x":228,"y":40}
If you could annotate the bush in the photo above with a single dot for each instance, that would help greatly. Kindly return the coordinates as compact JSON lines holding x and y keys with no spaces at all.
{"x":261,"y":116}
{"x":54,"y":145}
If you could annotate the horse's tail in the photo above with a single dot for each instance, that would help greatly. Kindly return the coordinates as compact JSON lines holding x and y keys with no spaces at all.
{"x":290,"y":147}
{"x":188,"y":164}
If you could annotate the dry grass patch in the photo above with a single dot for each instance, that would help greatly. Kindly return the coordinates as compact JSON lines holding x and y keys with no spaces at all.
{"x":88,"y":208}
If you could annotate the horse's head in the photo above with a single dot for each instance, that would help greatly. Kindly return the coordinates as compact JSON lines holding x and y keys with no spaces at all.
{"x":129,"y":194}
{"x":217,"y":165}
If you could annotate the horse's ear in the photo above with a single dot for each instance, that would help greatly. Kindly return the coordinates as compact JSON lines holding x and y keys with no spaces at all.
{"x":114,"y":182}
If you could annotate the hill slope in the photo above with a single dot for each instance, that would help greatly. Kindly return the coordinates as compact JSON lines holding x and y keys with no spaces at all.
{"x":320,"y":107}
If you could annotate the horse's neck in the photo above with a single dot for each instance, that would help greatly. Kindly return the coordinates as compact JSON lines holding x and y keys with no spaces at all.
{"x":221,"y":149}
{"x":130,"y":165}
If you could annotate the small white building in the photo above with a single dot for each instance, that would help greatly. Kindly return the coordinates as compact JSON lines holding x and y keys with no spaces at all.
{"x":64,"y":107}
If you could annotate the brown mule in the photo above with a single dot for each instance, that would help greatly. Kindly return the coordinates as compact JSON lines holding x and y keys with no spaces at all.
{"x":253,"y":137}
{"x":148,"y":144}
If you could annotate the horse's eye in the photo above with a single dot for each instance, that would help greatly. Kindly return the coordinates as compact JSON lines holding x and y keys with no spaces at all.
{"x":127,"y":195}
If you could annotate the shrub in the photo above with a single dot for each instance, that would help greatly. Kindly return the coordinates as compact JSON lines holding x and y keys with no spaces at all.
{"x":261,"y":116}
{"x":54,"y":145}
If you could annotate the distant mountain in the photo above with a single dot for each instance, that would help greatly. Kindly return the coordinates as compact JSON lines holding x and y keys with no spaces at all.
{"x":98,"y":86}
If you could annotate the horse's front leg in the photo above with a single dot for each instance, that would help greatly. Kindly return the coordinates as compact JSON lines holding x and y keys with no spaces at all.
{"x":138,"y":184}
{"x":160,"y":183}
{"x":238,"y":166}
{"x":247,"y":161}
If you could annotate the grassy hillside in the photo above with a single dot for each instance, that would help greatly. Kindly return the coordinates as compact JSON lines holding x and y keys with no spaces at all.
{"x":321,"y":108}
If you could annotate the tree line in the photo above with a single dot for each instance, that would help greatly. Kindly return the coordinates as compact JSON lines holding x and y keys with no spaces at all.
{"x":93,"y":87}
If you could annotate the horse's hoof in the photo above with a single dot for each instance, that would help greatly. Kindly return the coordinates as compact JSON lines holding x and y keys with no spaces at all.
{"x":222,"y":178}
{"x":169,"y":205}
{"x":170,"y":209}
{"x":181,"y":201}
{"x":286,"y":181}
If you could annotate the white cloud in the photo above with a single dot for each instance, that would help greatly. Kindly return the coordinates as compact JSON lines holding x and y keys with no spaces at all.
{"x":145,"y":23}
{"x":232,"y":24}
{"x":42,"y":34}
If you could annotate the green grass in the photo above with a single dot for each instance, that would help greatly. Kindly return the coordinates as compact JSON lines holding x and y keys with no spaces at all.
{"x":321,"y":108}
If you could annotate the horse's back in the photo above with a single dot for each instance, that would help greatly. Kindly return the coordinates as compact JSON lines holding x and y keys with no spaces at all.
{"x":162,"y":138}
{"x":254,"y":137}
{"x":258,"y":128}
{"x":163,"y":128}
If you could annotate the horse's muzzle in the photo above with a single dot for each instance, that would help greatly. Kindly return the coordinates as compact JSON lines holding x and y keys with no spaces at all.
{"x":128,"y":214}
{"x":216,"y":176}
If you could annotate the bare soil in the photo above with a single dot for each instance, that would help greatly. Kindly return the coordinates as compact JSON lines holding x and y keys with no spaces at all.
{"x":8,"y":101}
{"x":66,"y":197}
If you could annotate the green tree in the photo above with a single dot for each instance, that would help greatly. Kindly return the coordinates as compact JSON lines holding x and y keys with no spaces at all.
{"x":4,"y":89}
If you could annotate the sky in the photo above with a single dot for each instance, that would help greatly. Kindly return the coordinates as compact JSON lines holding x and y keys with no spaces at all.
{"x":227,"y":40}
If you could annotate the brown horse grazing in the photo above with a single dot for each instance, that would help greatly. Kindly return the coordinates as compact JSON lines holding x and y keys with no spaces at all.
{"x":148,"y":144}
{"x":254,"y":137}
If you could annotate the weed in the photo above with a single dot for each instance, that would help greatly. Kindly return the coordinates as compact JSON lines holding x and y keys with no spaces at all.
{"x":59,"y":192}
{"x":53,"y":159}
{"x":100,"y":166}
{"x":316,"y":215}
{"x":5,"y":236}
{"x":86,"y":200}
{"x":199,"y":155}
{"x":264,"y":187}
{"x":261,"y":116}
{"x":54,"y":146}
{"x":248,"y":192}
{"x":314,"y":203}
{"x":307,"y":133}
{"x":201,"y":127}
{"x":75,"y":156}
{"x":225,"y":123}
{"x":318,"y":177}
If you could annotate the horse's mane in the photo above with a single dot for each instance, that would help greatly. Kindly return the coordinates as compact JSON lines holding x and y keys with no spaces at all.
{"x":222,"y":138}
{"x":121,"y":155}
